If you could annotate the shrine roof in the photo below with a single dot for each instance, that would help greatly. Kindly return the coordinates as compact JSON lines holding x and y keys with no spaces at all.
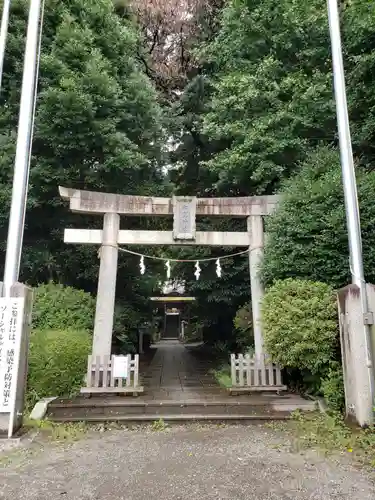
{"x":172,"y":299}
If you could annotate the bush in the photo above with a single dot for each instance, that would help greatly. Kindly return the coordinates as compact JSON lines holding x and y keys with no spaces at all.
{"x":333,"y":388}
{"x":307,"y":235}
{"x":57,"y":362}
{"x":59,"y":307}
{"x":300,"y":325}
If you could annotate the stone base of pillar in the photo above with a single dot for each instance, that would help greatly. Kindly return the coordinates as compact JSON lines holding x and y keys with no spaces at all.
{"x":358,"y":395}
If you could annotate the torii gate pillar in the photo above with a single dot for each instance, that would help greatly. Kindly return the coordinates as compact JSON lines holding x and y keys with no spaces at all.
{"x":256,"y":232}
{"x":105,"y":301}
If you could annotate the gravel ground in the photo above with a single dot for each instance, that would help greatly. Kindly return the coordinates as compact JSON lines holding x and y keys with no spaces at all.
{"x":182,"y":463}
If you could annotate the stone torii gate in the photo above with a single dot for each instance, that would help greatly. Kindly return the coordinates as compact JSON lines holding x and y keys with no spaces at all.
{"x":184,"y":211}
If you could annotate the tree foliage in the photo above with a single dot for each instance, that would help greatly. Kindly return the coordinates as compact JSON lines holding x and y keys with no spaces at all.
{"x":307,"y":236}
{"x":96,"y":123}
{"x":261,"y":111}
{"x":97,"y":127}
{"x":272,"y":97}
{"x":359,"y":53}
{"x":244,"y":122}
{"x":171,"y":31}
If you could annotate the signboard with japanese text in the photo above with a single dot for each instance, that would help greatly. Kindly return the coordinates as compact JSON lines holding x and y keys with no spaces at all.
{"x":120,"y":366}
{"x":11,"y":325}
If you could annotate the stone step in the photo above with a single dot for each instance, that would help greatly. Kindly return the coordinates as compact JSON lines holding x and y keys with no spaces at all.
{"x":207,"y":397}
{"x":124,"y":401}
{"x":118,"y":408}
{"x":160,"y":411}
{"x":217,"y":417}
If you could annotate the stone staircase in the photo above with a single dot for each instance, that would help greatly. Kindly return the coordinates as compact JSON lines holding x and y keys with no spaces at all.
{"x":123,"y":409}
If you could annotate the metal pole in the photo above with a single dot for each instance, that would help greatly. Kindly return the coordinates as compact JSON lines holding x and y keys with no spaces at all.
{"x":349,"y":179}
{"x":24,"y":142}
{"x":3,"y":35}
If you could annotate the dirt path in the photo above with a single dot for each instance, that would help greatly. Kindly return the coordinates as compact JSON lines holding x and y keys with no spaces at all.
{"x":182,"y":463}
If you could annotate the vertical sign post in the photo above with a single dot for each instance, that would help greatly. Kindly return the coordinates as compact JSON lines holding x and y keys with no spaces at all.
{"x":3,"y":332}
{"x":11,"y":328}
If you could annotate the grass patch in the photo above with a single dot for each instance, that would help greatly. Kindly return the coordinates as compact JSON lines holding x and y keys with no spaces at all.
{"x":42,"y":433}
{"x":159,"y":425}
{"x":330,"y":434}
{"x":54,"y":431}
{"x":223,"y":376}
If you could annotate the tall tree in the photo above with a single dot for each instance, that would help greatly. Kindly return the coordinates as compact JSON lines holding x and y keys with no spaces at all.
{"x":272,"y":97}
{"x":171,"y":29}
{"x":97,"y":127}
{"x":359,"y":56}
{"x":264,"y":103}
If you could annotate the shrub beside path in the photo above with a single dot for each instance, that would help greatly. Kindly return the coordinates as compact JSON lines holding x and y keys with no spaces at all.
{"x":180,"y":463}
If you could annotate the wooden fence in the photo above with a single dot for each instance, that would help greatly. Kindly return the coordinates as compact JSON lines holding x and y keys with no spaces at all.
{"x":101,"y":377}
{"x":254,"y":374}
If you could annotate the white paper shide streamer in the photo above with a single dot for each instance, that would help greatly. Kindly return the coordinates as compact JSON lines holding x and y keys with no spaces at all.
{"x":142,"y":266}
{"x":197,"y":270}
{"x":218,"y":268}
{"x":168,"y":266}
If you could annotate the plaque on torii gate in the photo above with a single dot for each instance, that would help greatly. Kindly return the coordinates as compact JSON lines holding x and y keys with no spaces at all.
{"x":184,"y":212}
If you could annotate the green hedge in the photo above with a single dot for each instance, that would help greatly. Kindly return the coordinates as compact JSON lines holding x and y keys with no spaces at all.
{"x":300,"y":324}
{"x":57,"y":362}
{"x":60,"y":307}
{"x":307,"y":235}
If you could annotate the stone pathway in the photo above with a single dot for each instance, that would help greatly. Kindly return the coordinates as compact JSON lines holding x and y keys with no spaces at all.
{"x":179,"y":373}
{"x":175,"y":373}
{"x":181,"y":463}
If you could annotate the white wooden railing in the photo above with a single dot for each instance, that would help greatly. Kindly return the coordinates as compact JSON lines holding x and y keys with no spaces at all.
{"x":251,"y":373}
{"x":112,"y":374}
